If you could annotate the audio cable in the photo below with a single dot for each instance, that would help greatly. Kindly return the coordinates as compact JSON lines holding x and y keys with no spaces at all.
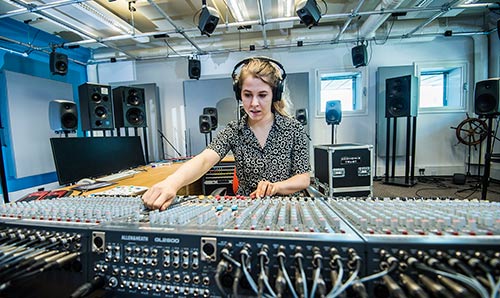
{"x":87,"y":288}
{"x":300,"y":274}
{"x":471,"y":282}
{"x":245,"y":265}
{"x":435,"y":288}
{"x":263,"y":278}
{"x":353,"y":263}
{"x":318,"y":281}
{"x":281,"y":258}
{"x":337,"y":272}
{"x":388,"y":265}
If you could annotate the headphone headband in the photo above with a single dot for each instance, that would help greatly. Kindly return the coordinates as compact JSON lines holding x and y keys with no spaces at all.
{"x":277,"y":91}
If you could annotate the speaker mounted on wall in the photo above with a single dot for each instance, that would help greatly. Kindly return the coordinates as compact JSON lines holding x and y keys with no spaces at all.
{"x":359,"y":56}
{"x":63,"y":115}
{"x":194,"y":68}
{"x":205,"y":123}
{"x":333,"y":112}
{"x":400,"y":97}
{"x":212,"y":112}
{"x":487,"y":97}
{"x":96,"y":107}
{"x":129,"y":106}
{"x":58,"y":63}
{"x":301,"y":116}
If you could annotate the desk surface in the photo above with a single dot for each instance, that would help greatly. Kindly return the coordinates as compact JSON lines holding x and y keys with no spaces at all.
{"x":149,"y":176}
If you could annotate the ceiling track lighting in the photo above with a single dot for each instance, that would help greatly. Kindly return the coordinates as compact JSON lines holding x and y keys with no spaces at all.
{"x":309,"y":13}
{"x":208,"y":19}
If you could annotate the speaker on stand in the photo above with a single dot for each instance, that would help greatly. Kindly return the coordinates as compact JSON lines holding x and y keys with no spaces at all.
{"x":96,"y":107}
{"x":401,"y":100}
{"x":487,"y":104}
{"x":63,"y":116}
{"x":212,"y":112}
{"x":205,"y":124}
{"x":129,"y":106}
{"x":333,"y":115}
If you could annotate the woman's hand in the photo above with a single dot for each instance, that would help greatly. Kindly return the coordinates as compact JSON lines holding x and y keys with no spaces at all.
{"x":160,"y":195}
{"x":265,"y":188}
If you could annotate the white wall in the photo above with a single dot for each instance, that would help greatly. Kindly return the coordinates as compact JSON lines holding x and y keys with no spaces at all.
{"x":436,"y":150}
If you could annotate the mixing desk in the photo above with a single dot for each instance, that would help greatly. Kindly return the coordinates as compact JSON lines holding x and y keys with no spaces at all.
{"x":233,"y":246}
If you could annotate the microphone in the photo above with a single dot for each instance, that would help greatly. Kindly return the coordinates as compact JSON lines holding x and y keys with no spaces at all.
{"x":165,"y":138}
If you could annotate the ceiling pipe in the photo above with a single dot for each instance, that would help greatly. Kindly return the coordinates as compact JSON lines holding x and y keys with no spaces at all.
{"x":35,"y":8}
{"x":374,"y":22}
{"x":263,"y":23}
{"x":349,"y":20}
{"x":177,"y":29}
{"x":445,"y":8}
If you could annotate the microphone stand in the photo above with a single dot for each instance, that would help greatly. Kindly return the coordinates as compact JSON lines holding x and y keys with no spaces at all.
{"x":165,"y":138}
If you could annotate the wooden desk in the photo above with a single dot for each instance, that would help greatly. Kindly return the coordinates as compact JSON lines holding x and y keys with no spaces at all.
{"x":149,"y":176}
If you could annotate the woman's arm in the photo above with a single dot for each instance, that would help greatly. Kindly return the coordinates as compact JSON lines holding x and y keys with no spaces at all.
{"x":160,"y":195}
{"x":285,"y":187}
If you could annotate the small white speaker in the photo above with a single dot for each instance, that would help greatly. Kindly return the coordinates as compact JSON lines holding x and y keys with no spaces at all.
{"x":63,"y":115}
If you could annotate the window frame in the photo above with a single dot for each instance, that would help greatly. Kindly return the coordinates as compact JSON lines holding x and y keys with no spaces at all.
{"x":360,"y":100}
{"x":447,"y":67}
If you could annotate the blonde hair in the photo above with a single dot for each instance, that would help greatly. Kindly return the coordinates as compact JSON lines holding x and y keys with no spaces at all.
{"x":270,"y":74}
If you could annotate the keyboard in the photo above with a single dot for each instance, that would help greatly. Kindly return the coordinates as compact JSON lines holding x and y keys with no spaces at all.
{"x":118,"y":176}
{"x":122,"y":191}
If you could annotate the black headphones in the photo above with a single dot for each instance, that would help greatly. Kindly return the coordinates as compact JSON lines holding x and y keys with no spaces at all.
{"x":280,"y":85}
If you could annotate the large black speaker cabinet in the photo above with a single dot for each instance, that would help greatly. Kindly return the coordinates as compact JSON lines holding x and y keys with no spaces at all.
{"x":58,"y":63}
{"x":333,"y":112}
{"x":213,"y":116}
{"x":301,"y":116}
{"x":194,"y":69}
{"x":359,"y":56}
{"x":486,"y":97}
{"x":96,"y":106}
{"x":400,"y":97}
{"x":130,"y":107}
{"x":205,"y":123}
{"x":63,"y":115}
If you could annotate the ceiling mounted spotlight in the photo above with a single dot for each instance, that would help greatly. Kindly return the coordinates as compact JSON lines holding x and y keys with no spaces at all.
{"x":309,"y":13}
{"x":208,"y":19}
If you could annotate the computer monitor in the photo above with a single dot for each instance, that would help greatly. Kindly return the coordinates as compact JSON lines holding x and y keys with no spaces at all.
{"x":91,"y":157}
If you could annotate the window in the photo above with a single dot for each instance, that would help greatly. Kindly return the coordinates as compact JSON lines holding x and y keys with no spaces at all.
{"x":345,"y":86}
{"x":442,"y":87}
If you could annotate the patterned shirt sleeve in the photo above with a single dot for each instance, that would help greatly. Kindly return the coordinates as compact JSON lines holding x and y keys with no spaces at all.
{"x":300,"y":153}
{"x":221,"y":144}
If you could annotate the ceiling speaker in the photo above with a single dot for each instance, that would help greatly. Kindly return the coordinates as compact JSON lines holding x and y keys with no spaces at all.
{"x":309,"y":14}
{"x":58,"y":63}
{"x":194,"y":69}
{"x":208,"y":20}
{"x":359,"y":55}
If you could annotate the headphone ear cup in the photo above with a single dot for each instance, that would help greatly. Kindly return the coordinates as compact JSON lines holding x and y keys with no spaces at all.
{"x":237,"y":90}
{"x":278,"y":91}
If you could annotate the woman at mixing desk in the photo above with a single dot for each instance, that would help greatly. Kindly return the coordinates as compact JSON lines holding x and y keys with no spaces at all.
{"x":270,"y":148}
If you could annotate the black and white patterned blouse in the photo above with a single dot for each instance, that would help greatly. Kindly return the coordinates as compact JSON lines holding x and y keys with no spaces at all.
{"x":285,"y":153}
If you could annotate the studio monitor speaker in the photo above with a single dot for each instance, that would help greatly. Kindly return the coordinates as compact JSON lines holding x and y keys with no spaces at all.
{"x":194,"y":69}
{"x":205,"y":123}
{"x":486,"y":97}
{"x":359,"y":56}
{"x":129,"y":106}
{"x":212,"y":112}
{"x":96,"y":106}
{"x":333,"y":112}
{"x":301,"y":116}
{"x":58,"y":63}
{"x":400,"y":98}
{"x":63,"y":115}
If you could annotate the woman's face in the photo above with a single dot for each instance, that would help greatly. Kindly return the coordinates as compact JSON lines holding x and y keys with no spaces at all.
{"x":257,"y":98}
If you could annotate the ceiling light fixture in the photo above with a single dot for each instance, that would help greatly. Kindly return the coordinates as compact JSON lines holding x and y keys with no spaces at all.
{"x":309,"y":13}
{"x":208,"y":19}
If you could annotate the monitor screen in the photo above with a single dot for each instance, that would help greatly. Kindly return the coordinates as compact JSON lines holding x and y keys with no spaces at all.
{"x":77,"y":158}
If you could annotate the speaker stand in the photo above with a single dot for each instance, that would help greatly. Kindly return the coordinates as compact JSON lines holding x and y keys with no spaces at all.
{"x":488,"y":159}
{"x":333,"y":134}
{"x":390,"y":177}
{"x":206,"y":139}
